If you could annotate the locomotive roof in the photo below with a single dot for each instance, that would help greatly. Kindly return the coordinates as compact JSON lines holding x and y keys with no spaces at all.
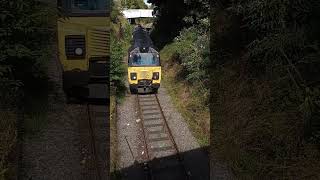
{"x":141,"y":38}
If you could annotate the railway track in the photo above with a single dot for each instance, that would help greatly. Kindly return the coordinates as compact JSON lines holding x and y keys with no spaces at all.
{"x":162,"y":159}
{"x":97,"y":135}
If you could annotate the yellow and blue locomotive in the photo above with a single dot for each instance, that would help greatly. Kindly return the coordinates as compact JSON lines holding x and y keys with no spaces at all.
{"x":144,"y":68}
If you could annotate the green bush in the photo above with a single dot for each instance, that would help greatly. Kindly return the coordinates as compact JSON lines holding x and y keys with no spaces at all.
{"x":117,"y":69}
{"x":120,"y":42}
{"x":191,"y":50}
{"x":133,"y":4}
{"x":185,"y":63}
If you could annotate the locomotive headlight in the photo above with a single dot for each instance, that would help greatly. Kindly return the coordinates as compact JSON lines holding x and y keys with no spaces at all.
{"x":79,"y":51}
{"x":75,"y":46}
{"x":133,"y":76}
{"x":155,"y":75}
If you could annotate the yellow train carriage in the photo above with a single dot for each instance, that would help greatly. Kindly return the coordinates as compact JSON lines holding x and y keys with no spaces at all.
{"x":83,"y":42}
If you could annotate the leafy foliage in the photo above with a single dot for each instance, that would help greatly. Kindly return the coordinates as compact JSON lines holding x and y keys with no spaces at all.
{"x":24,"y":33}
{"x":173,"y":16}
{"x":133,"y":4}
{"x":120,"y":39}
{"x":117,"y":69}
{"x":191,"y":50}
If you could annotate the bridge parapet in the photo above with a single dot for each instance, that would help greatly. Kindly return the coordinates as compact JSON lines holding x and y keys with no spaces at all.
{"x":137,"y":13}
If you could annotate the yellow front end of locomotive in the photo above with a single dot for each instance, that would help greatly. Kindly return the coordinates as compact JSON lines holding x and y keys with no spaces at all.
{"x":83,"y":46}
{"x":144,"y":77}
{"x":92,"y":36}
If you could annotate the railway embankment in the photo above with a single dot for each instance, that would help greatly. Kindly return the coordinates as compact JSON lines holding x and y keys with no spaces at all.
{"x":265,"y":89}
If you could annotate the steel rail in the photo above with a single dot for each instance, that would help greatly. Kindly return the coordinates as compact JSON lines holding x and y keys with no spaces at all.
{"x":169,"y":132}
{"x":93,"y":142}
{"x":172,"y":139}
{"x":146,"y":165}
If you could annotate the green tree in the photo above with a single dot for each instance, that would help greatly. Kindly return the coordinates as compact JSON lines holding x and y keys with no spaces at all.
{"x":133,"y":4}
{"x":117,"y":69}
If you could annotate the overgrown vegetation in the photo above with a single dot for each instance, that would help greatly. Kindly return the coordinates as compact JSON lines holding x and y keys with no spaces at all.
{"x":25,"y":28}
{"x":185,"y":60}
{"x":117,"y":69}
{"x":120,"y":42}
{"x":24,"y":36}
{"x":265,"y":88}
{"x":185,"y":77}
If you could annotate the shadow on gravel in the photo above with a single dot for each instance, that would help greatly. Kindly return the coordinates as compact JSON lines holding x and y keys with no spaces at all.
{"x":196,"y":163}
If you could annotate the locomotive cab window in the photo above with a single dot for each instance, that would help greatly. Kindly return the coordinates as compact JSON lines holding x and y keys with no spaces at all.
{"x":144,"y":59}
{"x":84,"y":7}
{"x":94,"y":5}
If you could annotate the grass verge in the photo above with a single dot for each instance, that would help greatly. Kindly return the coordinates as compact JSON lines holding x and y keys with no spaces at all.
{"x":187,"y":99}
{"x":114,"y":157}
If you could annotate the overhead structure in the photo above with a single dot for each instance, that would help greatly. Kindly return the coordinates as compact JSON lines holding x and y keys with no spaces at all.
{"x":137,"y":13}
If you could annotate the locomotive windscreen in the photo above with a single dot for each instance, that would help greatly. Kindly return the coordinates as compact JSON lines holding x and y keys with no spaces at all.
{"x":144,"y":59}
